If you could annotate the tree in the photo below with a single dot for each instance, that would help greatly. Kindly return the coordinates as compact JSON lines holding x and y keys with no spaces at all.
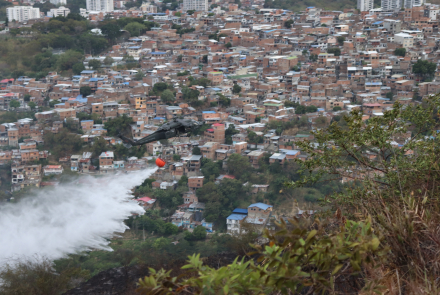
{"x":68,"y":59}
{"x":337,"y":109}
{"x":335,"y":51}
{"x":78,"y":68}
{"x":199,"y":233}
{"x":313,"y":261}
{"x":178,"y":14}
{"x":228,"y":45}
{"x":14,"y":104}
{"x":32,"y":276}
{"x":238,"y":165}
{"x":179,"y":58}
{"x":26,"y":97}
{"x":118,"y":125}
{"x":323,"y":25}
{"x":111,"y":30}
{"x":311,"y":109}
{"x":389,"y":95}
{"x":170,"y":229}
{"x":85,"y":91}
{"x":236,"y":89}
{"x":288,"y":23}
{"x":95,"y":64}
{"x":135,"y":28}
{"x":32,"y":105}
{"x":196,"y":151}
{"x":139,"y":76}
{"x":176,"y":157}
{"x":108,"y":61}
{"x":99,"y":146}
{"x":424,"y":68}
{"x":6,"y":22}
{"x":167,"y":96}
{"x":341,"y":40}
{"x":400,"y":51}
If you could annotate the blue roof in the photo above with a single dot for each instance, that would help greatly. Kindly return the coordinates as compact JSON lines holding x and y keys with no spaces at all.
{"x":321,"y":109}
{"x":64,"y":98}
{"x":86,"y":121}
{"x":87,"y":72}
{"x":377,"y":23}
{"x":270,"y":31}
{"x":158,"y":52}
{"x":126,"y":83}
{"x":216,"y":89}
{"x":291,"y":152}
{"x":208,"y":112}
{"x":240,"y":211}
{"x":134,"y":47}
{"x":59,"y":104}
{"x":236,"y":217}
{"x":261,"y":206}
{"x":373,"y":83}
{"x":93,"y":80}
{"x":159,"y":118}
{"x":243,"y":57}
{"x":77,"y":76}
{"x":80,"y":98}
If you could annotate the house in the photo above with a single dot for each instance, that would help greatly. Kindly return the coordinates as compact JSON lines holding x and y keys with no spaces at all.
{"x":106,"y":161}
{"x":53,"y":169}
{"x":146,"y":202}
{"x":195,"y":182}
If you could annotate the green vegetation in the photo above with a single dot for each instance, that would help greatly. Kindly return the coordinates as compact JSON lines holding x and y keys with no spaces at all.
{"x":400,"y":51}
{"x":424,"y":68}
{"x":335,"y":51}
{"x":236,"y":89}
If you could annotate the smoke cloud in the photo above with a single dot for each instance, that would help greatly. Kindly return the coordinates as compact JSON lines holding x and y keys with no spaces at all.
{"x":68,"y":218}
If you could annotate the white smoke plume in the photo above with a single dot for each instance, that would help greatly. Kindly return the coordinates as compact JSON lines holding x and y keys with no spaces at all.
{"x":68,"y":218}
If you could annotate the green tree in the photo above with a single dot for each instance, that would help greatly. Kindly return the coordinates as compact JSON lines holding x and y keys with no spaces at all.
{"x":196,"y":151}
{"x":167,"y":96}
{"x":236,"y":89}
{"x":400,"y":51}
{"x":99,"y":146}
{"x":6,"y":22}
{"x":78,"y":68}
{"x":341,"y":40}
{"x":68,"y":59}
{"x":288,"y":24}
{"x":238,"y":165}
{"x":14,"y":104}
{"x":26,"y":97}
{"x":337,"y":109}
{"x":335,"y":51}
{"x":170,"y":229}
{"x":108,"y":61}
{"x":315,"y":259}
{"x":118,"y":124}
{"x":85,"y":91}
{"x":424,"y":68}
{"x":311,"y":109}
{"x":139,"y":76}
{"x":179,"y":58}
{"x":178,"y":14}
{"x":199,"y":233}
{"x":53,"y":103}
{"x":389,"y":95}
{"x":32,"y":105}
{"x":111,"y":30}
{"x":228,"y":45}
{"x":95,"y":64}
{"x":176,"y":157}
{"x":135,"y":28}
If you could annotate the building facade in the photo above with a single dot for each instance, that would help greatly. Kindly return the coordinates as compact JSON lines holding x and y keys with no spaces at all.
{"x":60,"y":11}
{"x":22,"y":13}
{"x":391,"y":5}
{"x":197,"y":5}
{"x":100,"y":5}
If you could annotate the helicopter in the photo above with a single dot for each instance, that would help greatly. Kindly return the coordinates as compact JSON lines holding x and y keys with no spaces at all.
{"x":175,"y":128}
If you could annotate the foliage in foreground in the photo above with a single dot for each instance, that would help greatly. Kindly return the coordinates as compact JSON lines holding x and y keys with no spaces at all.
{"x":393,"y":165}
{"x":295,"y":259}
